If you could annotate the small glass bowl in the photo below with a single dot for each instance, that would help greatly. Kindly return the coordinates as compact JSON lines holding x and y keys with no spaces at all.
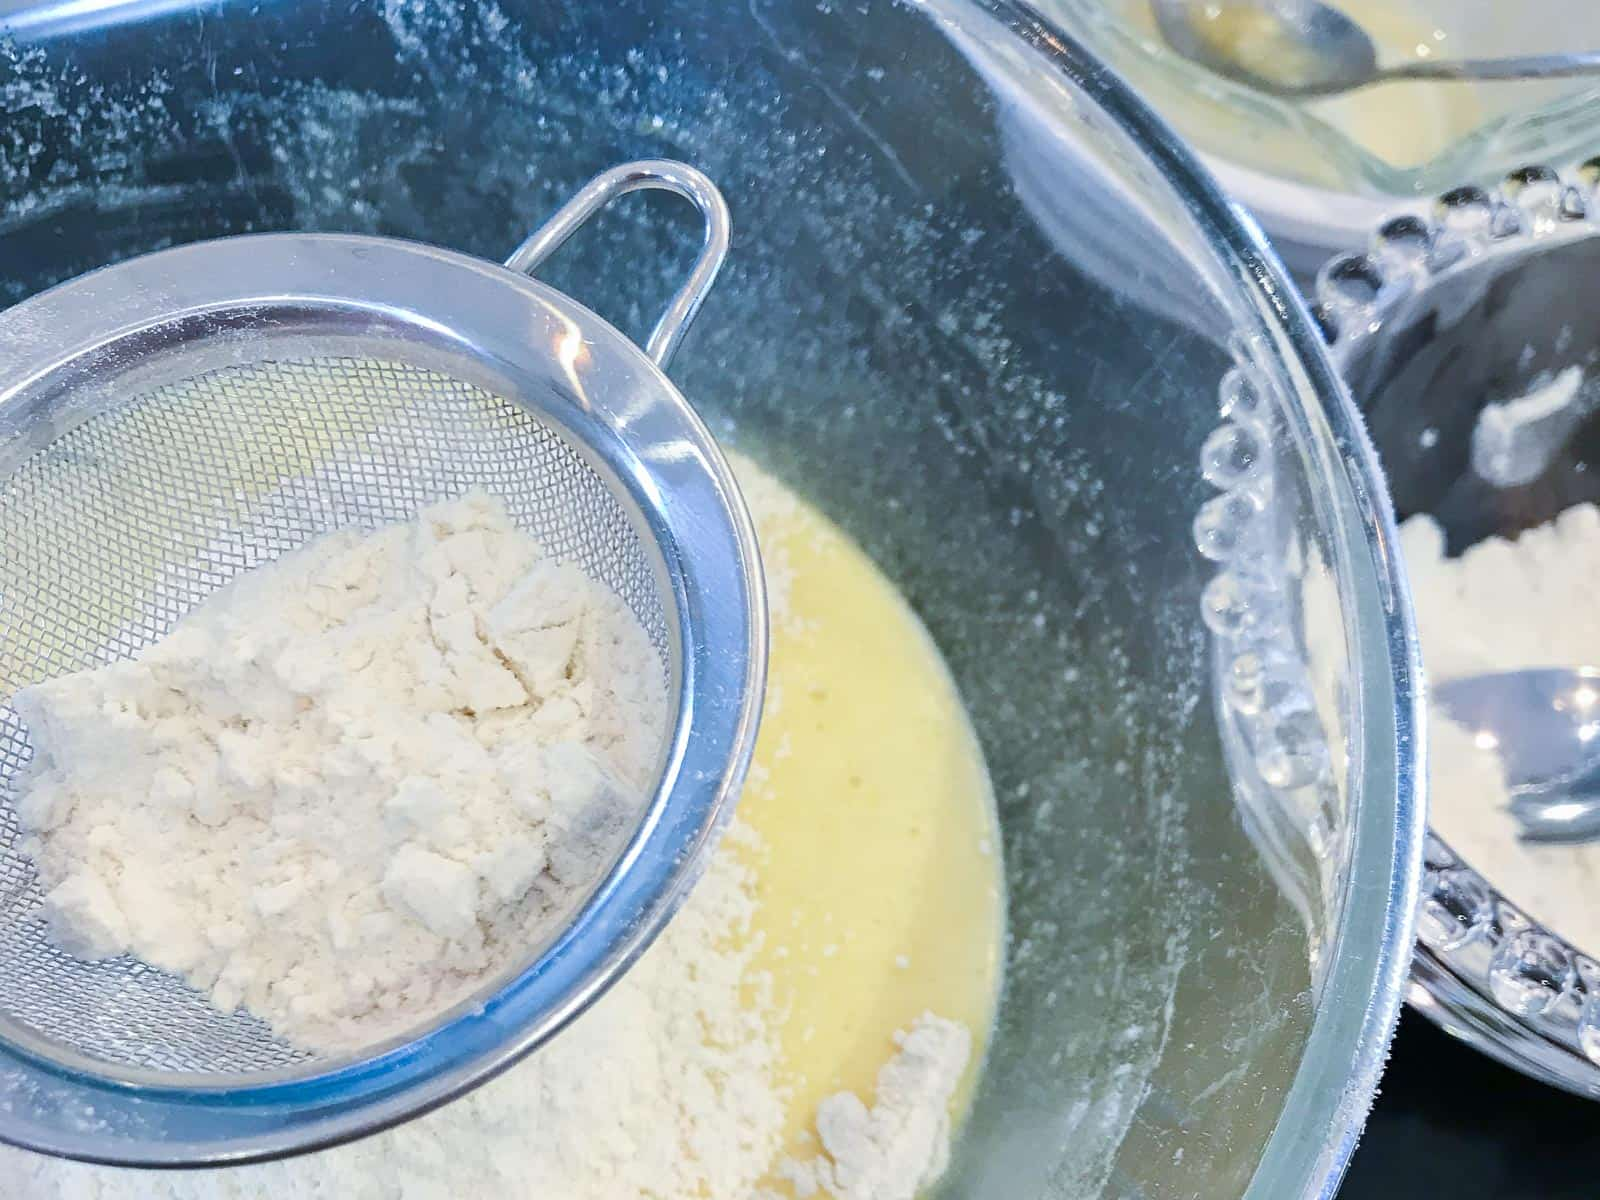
{"x":1350,"y":160}
{"x":1473,"y":303}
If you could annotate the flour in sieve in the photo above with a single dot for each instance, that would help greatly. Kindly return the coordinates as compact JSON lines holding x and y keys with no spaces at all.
{"x":353,"y":784}
{"x":671,"y":1087}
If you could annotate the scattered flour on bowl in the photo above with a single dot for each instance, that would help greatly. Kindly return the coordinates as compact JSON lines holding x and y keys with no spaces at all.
{"x":1505,"y":605}
{"x":354,"y":783}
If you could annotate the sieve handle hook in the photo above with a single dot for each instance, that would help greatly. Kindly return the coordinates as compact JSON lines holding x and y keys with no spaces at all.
{"x":660,"y":174}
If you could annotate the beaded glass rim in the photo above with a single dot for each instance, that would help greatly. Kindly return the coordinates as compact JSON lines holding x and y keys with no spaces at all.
{"x":1485,"y":969}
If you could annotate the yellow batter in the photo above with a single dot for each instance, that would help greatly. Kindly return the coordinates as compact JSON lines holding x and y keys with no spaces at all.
{"x":879,"y":879}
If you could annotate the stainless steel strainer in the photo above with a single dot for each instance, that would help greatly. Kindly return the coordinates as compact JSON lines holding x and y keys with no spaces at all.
{"x":170,"y":422}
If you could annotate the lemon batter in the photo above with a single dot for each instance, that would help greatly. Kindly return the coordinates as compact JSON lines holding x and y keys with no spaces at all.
{"x":879,"y":880}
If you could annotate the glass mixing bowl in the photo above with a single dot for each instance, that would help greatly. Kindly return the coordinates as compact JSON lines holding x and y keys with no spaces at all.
{"x":983,"y":310}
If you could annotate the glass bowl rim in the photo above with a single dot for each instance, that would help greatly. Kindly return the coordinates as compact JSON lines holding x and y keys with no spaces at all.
{"x":1366,"y":977}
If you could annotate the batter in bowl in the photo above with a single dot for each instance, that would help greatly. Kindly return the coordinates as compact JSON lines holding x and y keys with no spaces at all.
{"x":879,"y":876}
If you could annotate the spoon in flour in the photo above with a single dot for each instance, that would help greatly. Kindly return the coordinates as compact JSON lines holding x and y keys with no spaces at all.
{"x":1545,"y":726}
{"x":1306,"y":48}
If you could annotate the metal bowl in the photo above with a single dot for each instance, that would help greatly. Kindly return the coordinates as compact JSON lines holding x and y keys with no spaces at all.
{"x":985,"y":311}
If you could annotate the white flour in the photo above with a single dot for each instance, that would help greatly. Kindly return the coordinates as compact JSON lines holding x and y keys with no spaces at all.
{"x":901,"y":1144}
{"x":669,"y":1088}
{"x":1502,"y":606}
{"x":664,"y":1090}
{"x":353,"y":784}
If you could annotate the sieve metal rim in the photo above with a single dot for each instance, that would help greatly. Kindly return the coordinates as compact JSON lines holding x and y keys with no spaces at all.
{"x":482,"y":318}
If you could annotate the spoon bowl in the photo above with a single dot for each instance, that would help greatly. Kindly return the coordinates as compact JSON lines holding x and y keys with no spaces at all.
{"x":1304,"y":48}
{"x":1297,"y":48}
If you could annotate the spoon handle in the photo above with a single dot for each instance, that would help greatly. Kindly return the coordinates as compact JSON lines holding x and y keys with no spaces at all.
{"x":1533,"y":66}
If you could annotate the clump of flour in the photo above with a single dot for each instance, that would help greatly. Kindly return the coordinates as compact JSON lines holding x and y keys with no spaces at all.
{"x":1506,"y":605}
{"x":901,"y":1144}
{"x":354,"y":783}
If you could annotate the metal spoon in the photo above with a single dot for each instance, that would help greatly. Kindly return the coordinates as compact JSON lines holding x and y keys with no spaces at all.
{"x":1306,"y":48}
{"x":1545,"y":725}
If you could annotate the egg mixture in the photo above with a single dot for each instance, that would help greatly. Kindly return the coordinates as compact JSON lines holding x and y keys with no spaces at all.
{"x":879,"y":883}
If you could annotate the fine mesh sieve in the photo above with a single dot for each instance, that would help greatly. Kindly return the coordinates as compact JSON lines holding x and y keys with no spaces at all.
{"x":171,"y":422}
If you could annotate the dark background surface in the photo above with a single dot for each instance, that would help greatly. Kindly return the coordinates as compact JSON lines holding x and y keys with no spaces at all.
{"x":1451,"y":1123}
